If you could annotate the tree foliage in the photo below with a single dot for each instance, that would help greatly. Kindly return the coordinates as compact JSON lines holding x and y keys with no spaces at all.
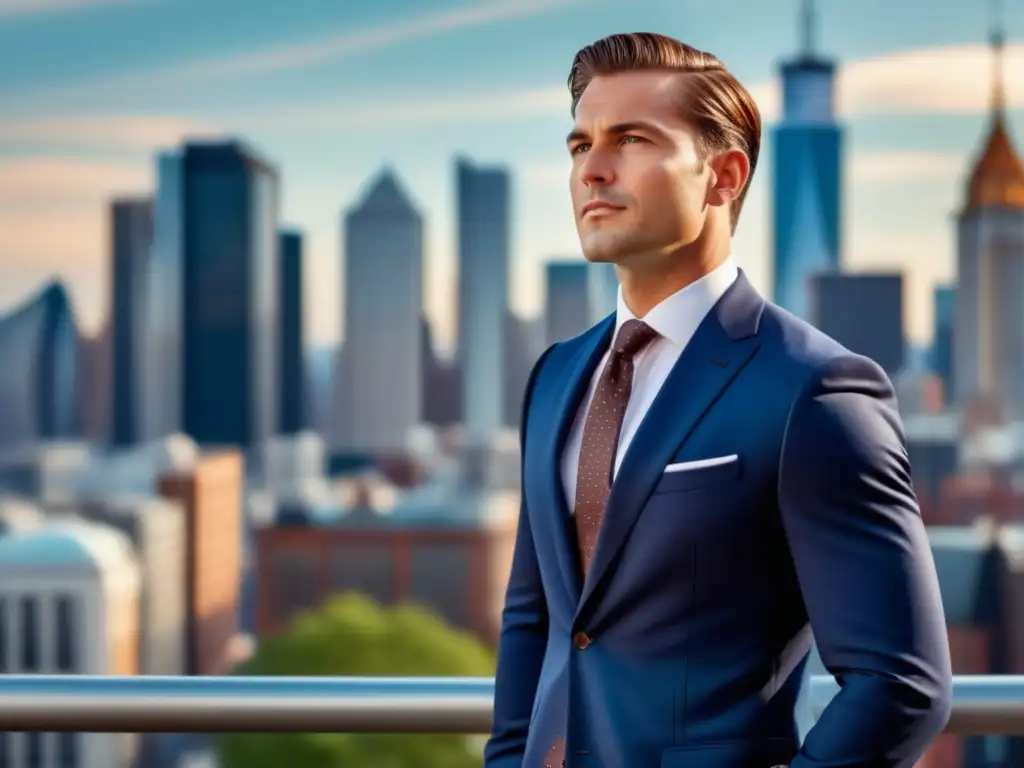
{"x":353,"y":636}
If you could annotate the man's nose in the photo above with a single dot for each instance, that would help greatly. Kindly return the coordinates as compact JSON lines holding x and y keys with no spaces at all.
{"x":597,"y":169}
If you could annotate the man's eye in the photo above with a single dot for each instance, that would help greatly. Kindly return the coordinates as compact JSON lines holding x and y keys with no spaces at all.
{"x":631,"y":139}
{"x":579,"y":148}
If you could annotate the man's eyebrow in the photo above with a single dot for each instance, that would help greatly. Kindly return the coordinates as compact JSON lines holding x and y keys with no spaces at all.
{"x":617,"y":129}
{"x":576,"y":135}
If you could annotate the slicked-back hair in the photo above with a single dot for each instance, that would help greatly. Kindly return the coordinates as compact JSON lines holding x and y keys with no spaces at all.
{"x":717,"y":106}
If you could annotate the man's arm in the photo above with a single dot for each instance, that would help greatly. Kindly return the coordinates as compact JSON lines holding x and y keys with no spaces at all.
{"x":524,"y":628}
{"x":866,"y":571}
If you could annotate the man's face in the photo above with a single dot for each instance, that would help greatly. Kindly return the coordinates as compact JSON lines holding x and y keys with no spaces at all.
{"x":638,"y":189}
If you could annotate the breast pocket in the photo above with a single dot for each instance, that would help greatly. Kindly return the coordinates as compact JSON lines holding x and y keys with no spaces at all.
{"x":699,"y":476}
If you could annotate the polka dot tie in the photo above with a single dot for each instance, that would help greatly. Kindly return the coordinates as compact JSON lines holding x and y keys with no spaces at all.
{"x":601,"y":434}
{"x":597,"y":452}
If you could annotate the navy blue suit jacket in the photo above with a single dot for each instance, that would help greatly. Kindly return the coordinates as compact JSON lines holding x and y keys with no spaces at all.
{"x":705,"y":585}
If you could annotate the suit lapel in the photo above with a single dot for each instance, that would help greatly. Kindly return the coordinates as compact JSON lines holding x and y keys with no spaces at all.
{"x":582,"y":364}
{"x":722,"y":345}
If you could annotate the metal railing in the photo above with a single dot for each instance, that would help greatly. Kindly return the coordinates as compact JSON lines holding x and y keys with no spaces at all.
{"x":982,"y":704}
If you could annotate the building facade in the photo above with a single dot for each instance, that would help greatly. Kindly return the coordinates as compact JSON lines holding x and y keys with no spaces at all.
{"x":484,"y":256}
{"x":293,"y":416}
{"x":131,"y":225}
{"x":837,"y":304}
{"x":988,"y":349}
{"x":69,"y":604}
{"x":210,"y":493}
{"x":567,"y":306}
{"x":39,"y":380}
{"x":379,"y":392}
{"x":215,"y":317}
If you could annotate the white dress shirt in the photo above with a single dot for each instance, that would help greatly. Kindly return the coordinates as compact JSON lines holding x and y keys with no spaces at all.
{"x":675,"y":319}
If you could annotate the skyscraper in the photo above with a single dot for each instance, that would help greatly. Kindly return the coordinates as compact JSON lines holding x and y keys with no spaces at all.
{"x":604,"y":290}
{"x":131,"y":223}
{"x":942,"y":337}
{"x":292,"y":388}
{"x":837,"y":305}
{"x":807,"y":174}
{"x":484,"y":231}
{"x":161,"y":382}
{"x":380,"y":395}
{"x":39,"y":382}
{"x":217,"y":325}
{"x":989,"y":332}
{"x":567,"y":310}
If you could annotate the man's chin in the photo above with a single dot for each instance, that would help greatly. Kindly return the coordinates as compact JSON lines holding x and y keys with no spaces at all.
{"x":602,"y":253}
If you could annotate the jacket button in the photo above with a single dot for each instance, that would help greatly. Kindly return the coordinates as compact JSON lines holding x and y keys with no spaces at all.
{"x":581,"y":640}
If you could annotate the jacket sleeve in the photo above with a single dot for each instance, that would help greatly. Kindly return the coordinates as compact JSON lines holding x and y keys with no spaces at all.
{"x":523,"y":638}
{"x":866,"y":571}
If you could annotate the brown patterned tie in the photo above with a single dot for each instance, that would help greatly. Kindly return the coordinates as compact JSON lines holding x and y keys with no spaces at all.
{"x":601,"y":430}
{"x":598,"y":449}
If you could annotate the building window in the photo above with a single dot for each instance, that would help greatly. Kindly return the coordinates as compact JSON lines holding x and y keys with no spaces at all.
{"x":67,"y":750}
{"x":33,"y":750}
{"x":29,"y":634}
{"x":997,"y":749}
{"x":65,"y":634}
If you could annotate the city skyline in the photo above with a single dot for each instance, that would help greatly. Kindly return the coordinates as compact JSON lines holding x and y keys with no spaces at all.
{"x":332,"y":108}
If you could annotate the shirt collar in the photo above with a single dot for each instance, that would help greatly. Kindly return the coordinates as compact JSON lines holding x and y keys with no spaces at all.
{"x":677,"y":317}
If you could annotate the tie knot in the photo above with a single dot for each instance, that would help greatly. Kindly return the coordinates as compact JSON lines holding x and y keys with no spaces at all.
{"x":633,"y":336}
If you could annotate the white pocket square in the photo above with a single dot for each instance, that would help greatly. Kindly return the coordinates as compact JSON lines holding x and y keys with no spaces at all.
{"x":685,"y":466}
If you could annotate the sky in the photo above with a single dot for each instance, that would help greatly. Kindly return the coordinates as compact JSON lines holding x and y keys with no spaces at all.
{"x":331,"y":92}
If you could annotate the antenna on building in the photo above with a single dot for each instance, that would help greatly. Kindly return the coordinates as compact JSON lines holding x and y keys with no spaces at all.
{"x":807,"y":26}
{"x":998,"y":40}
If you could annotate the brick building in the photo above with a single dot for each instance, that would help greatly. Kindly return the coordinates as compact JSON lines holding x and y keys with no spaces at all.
{"x":452,"y":557}
{"x":210,"y":492}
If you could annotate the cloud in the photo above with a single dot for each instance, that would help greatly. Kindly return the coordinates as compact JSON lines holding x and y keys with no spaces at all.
{"x":70,"y":243}
{"x":549,"y":174}
{"x":929,"y":81}
{"x":53,"y":216}
{"x":946,"y":80}
{"x":889,"y":166}
{"x":932,"y":81}
{"x":124,"y":131}
{"x":407,"y":112}
{"x":39,"y":241}
{"x":308,"y":54}
{"x":41,"y":182}
{"x":952,"y":79}
{"x":364,"y":40}
{"x":38,"y":7}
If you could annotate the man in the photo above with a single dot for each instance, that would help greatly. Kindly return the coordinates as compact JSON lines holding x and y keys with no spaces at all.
{"x":706,"y":479}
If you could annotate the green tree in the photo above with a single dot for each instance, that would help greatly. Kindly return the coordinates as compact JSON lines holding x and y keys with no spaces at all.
{"x":353,"y":636}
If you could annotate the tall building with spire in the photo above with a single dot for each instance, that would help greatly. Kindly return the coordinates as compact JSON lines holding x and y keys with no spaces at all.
{"x":989,"y":326}
{"x":807,"y":174}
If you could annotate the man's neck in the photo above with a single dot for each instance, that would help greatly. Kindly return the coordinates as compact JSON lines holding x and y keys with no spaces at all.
{"x":643,"y":288}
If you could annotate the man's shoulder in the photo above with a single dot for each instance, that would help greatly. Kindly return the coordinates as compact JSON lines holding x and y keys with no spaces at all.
{"x":801,"y":352}
{"x":796,"y":344}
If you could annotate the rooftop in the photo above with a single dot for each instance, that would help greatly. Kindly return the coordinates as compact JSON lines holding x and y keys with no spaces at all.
{"x":997,"y":179}
{"x":67,"y":543}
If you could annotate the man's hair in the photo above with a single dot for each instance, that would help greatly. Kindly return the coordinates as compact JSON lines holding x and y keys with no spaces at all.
{"x":719,"y":108}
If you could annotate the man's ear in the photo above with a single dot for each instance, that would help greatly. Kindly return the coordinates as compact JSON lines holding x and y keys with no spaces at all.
{"x":730,"y":172}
